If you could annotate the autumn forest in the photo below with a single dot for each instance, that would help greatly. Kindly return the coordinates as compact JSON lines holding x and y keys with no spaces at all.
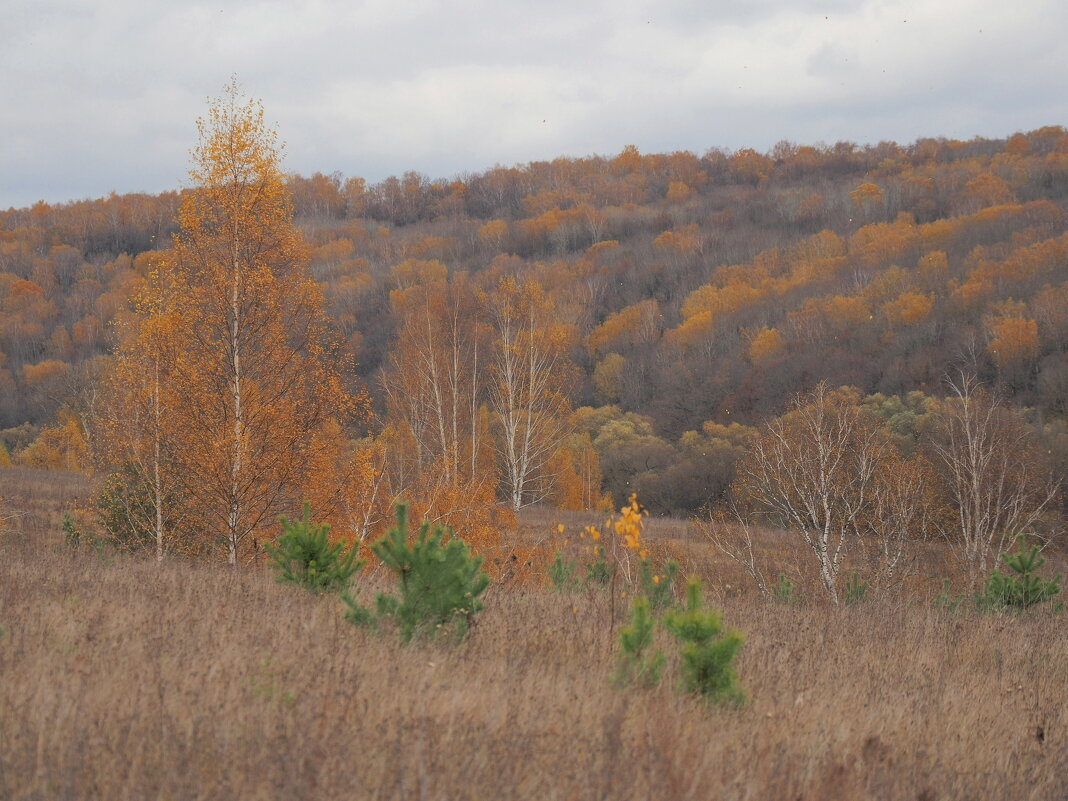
{"x":671,"y":301}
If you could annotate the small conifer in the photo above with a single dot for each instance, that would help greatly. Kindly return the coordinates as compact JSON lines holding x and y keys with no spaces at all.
{"x":72,"y":535}
{"x":707,"y":650}
{"x":304,"y":555}
{"x":1023,"y":588}
{"x":637,"y":663}
{"x":599,"y":571}
{"x":657,"y":587}
{"x":439,"y":581}
{"x":785,"y":591}
{"x":562,"y":573}
{"x":856,"y":590}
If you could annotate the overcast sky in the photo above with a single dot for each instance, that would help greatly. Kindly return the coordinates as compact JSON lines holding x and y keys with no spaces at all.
{"x":102,"y":95}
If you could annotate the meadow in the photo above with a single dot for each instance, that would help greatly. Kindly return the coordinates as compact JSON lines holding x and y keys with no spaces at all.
{"x":124,"y":679}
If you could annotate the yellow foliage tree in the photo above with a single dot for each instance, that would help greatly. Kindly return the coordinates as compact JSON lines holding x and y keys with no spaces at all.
{"x":606,"y":377}
{"x":61,"y":446}
{"x":345,"y":482}
{"x":493,"y":233}
{"x":253,"y":376}
{"x":531,"y":375}
{"x":684,"y":241}
{"x":138,"y":433}
{"x":436,"y":449}
{"x":982,"y":191}
{"x":933,"y":269}
{"x":1013,"y":340}
{"x":909,"y":308}
{"x":749,"y":166}
{"x":678,"y":191}
{"x":843,"y":312}
{"x":868,"y":197}
{"x":630,"y":325}
{"x":577,"y":469}
{"x":765,"y":343}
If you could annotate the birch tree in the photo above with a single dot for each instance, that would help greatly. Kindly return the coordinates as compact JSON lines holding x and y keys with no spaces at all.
{"x":991,"y":472}
{"x":903,"y":507}
{"x":435,"y":385}
{"x":814,"y":472}
{"x":138,"y":428}
{"x":437,"y":437}
{"x":530,"y":371}
{"x":255,"y":361}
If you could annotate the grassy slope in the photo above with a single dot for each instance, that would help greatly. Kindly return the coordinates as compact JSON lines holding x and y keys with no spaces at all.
{"x":119,"y":679}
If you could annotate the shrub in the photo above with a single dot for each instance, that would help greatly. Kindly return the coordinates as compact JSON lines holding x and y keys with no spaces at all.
{"x":637,"y":664}
{"x":657,"y":587}
{"x":439,"y":581}
{"x":562,"y":573}
{"x":125,"y":511}
{"x":126,"y":517}
{"x":304,"y":555}
{"x":1022,"y":588}
{"x":707,"y":650}
{"x":946,"y":599}
{"x":856,"y":590}
{"x":1005,"y":592}
{"x":785,"y":591}
{"x":72,"y":535}
{"x":599,"y":571}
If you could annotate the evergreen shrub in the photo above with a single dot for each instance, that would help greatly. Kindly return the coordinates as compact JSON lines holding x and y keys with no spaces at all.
{"x":785,"y":591}
{"x":1023,"y":587}
{"x":706,"y":649}
{"x":304,"y":555}
{"x":562,"y":573}
{"x":655,"y":586}
{"x":439,"y":582}
{"x":637,"y":662}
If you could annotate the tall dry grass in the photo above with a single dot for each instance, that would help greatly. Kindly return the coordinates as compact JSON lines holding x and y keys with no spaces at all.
{"x":123,"y":680}
{"x":36,"y":500}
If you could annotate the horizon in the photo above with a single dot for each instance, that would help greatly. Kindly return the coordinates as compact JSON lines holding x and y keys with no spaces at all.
{"x":462,"y":174}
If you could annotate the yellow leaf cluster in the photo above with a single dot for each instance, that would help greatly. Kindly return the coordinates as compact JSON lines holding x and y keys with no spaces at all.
{"x":62,"y":446}
{"x":629,"y":524}
{"x":678,"y":190}
{"x":1013,"y":340}
{"x":637,"y":323}
{"x":909,"y":308}
{"x":765,"y":343}
{"x":866,"y":194}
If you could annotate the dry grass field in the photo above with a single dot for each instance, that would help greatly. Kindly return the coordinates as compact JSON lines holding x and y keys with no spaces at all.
{"x":120,"y":679}
{"x":37,"y":500}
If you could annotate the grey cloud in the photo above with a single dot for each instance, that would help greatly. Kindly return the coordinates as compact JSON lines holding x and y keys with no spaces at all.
{"x":103,"y":96}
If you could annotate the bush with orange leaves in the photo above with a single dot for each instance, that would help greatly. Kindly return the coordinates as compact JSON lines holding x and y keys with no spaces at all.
{"x":618,"y":552}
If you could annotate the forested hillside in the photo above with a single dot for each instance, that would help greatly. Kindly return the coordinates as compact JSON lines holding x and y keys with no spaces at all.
{"x":678,"y":299}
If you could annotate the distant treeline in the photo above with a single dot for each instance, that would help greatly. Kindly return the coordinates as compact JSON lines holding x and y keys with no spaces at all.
{"x":695,"y":294}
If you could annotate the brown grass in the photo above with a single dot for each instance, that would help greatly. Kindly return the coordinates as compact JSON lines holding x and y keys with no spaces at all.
{"x":123,"y":680}
{"x":37,"y":499}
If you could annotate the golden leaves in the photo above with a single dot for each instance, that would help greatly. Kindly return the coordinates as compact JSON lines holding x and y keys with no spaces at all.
{"x":1013,"y":339}
{"x":765,"y":343}
{"x":228,"y":376}
{"x":909,"y":308}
